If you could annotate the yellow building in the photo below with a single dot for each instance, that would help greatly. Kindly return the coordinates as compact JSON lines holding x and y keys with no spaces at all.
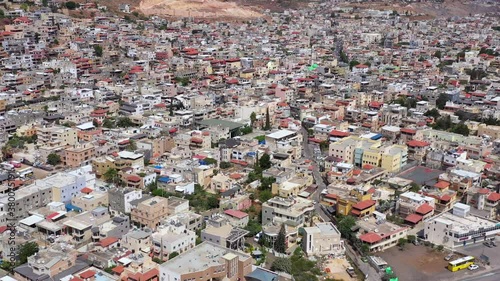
{"x":345,"y":203}
{"x":372,"y":157}
{"x":490,"y":130}
{"x":394,"y":157}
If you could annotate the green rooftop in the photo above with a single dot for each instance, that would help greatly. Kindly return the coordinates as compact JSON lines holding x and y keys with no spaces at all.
{"x":223,"y":123}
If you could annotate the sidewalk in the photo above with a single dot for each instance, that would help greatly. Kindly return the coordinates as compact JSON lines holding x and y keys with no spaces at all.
{"x":373,"y":275}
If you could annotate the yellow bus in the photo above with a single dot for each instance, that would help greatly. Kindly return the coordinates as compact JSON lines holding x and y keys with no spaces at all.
{"x":460,"y":263}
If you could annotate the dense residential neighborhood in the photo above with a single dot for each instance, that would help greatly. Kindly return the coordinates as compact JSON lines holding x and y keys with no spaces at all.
{"x":334,"y":142}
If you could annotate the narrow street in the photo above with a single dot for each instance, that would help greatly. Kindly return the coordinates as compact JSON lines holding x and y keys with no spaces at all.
{"x":369,"y":271}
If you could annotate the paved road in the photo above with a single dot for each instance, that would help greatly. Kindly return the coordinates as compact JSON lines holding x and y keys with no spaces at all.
{"x":486,"y":276}
{"x":308,"y":154}
{"x":368,"y":270}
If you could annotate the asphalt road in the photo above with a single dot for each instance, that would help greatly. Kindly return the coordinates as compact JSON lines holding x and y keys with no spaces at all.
{"x":486,"y":276}
{"x":308,"y":154}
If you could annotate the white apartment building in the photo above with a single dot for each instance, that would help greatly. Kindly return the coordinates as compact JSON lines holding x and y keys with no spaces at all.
{"x":459,"y":228}
{"x":322,"y":239}
{"x":292,"y":212}
{"x":172,"y":238}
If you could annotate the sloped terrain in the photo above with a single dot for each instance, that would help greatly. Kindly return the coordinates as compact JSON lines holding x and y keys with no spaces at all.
{"x":197,"y":9}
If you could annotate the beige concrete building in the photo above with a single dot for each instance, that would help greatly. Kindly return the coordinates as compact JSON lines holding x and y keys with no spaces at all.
{"x":79,"y":155}
{"x":90,"y":201}
{"x":56,"y":135}
{"x":208,"y":261}
{"x":490,"y":130}
{"x":322,"y":239}
{"x":150,"y":212}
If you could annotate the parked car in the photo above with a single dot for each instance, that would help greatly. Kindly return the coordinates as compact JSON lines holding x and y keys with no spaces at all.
{"x":364,"y":259}
{"x":487,"y":244}
{"x":15,"y":164}
{"x":448,"y":257}
{"x":415,"y":242}
{"x":492,"y":243}
{"x":473,"y":267}
{"x":351,"y":272}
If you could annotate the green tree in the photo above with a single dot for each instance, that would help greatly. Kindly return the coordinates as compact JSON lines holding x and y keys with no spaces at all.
{"x":172,"y":255}
{"x":437,"y":54}
{"x":108,"y":123}
{"x":225,"y":165}
{"x":253,"y":118}
{"x":345,"y":225}
{"x":26,"y":250}
{"x":433,"y":113}
{"x":282,"y":265}
{"x":441,"y":100}
{"x":414,"y":187}
{"x":70,"y":5}
{"x":402,"y":243}
{"x":98,"y":50}
{"x":45,"y":3}
{"x":132,"y":146}
{"x":265,"y":195}
{"x":265,"y":161}
{"x":461,"y":128}
{"x":253,"y":227}
{"x":246,"y":130}
{"x":109,"y":269}
{"x":411,"y":238}
{"x":95,"y":123}
{"x":111,"y":175}
{"x":124,"y":122}
{"x":353,"y":63}
{"x":210,"y":161}
{"x":267,"y":127}
{"x":53,"y":159}
{"x":280,"y":243}
{"x":25,"y":7}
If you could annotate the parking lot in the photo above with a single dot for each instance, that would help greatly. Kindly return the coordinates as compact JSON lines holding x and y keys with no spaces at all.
{"x":416,"y":263}
{"x":423,"y":263}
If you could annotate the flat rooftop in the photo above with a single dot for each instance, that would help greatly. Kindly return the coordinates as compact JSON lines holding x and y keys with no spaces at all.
{"x":421,"y":175}
{"x":199,"y":258}
{"x":463,"y":224}
{"x":223,"y":123}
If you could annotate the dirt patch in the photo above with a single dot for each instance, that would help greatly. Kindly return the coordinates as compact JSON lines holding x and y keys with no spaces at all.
{"x":425,"y":10}
{"x":197,"y":9}
{"x":337,"y":268}
{"x":415,"y":263}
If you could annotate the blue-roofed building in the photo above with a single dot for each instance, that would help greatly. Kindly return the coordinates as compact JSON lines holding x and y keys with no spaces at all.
{"x":70,"y":207}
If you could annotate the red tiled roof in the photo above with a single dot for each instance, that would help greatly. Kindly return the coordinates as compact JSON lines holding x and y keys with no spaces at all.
{"x":87,"y":274}
{"x":442,"y":184}
{"x":86,"y":190}
{"x":483,"y":191}
{"x":196,"y":140}
{"x":235,"y":176}
{"x":408,"y":131}
{"x":53,"y":215}
{"x":446,"y":197}
{"x":76,"y":279}
{"x":355,"y":212}
{"x":370,"y":237}
{"x":413,"y":218}
{"x":494,"y":197}
{"x":118,"y":269}
{"x":108,"y":241}
{"x":424,"y":209}
{"x":337,"y":133}
{"x":368,"y":167}
{"x":331,"y":196}
{"x":417,"y":143}
{"x":134,"y":178}
{"x":364,"y":204}
{"x":236,"y":213}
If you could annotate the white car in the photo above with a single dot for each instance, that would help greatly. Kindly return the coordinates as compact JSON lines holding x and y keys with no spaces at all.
{"x":473,"y":267}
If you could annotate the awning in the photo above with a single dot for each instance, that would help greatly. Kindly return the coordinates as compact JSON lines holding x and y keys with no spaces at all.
{"x":31,"y":220}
